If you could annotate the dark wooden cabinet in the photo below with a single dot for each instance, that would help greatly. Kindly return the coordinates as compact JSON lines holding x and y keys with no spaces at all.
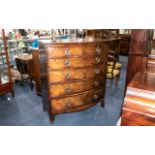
{"x":6,"y":84}
{"x":36,"y":70}
{"x":139,"y":101}
{"x":102,"y":33}
{"x":139,"y":51}
{"x":73,"y":74}
{"x":114,"y":45}
{"x":124,"y":44}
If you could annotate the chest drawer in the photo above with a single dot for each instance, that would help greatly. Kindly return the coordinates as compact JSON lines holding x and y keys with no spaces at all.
{"x":64,"y":51}
{"x":72,"y":102}
{"x":69,"y":88}
{"x":75,"y":50}
{"x":95,"y":49}
{"x":74,"y":63}
{"x":68,"y":75}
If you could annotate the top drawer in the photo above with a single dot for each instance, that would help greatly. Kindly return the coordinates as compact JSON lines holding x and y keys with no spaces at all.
{"x":61,"y":51}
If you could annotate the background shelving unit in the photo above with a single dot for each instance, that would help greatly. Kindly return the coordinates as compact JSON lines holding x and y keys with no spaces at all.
{"x":6,"y":85}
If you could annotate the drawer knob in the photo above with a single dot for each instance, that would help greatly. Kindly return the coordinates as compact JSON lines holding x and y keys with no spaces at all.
{"x":67,"y":76}
{"x":98,"y":50}
{"x":67,"y":52}
{"x":95,"y":97}
{"x":67,"y":103}
{"x":96,"y":83}
{"x":67,"y":63}
{"x":67,"y":90}
{"x":97,"y":71}
{"x":97,"y":59}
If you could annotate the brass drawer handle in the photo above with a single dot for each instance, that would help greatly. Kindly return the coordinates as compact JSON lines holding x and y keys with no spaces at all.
{"x":95,"y":97}
{"x":96,"y":83}
{"x":67,"y":76}
{"x":67,"y":52}
{"x":98,"y":49}
{"x":67,"y":63}
{"x":67,"y":103}
{"x":97,"y":59}
{"x":97,"y":71}
{"x":67,"y":90}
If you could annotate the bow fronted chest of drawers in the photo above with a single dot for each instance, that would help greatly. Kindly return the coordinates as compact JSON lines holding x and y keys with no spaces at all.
{"x":73,"y":74}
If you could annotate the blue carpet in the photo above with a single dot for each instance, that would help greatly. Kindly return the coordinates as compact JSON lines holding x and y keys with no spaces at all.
{"x":26,"y":108}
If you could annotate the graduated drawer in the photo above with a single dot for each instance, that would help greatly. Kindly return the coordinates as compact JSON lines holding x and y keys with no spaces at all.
{"x":95,"y":49}
{"x":60,"y":51}
{"x":74,"y":63}
{"x":57,"y":76}
{"x":59,"y":90}
{"x":71,"y":102}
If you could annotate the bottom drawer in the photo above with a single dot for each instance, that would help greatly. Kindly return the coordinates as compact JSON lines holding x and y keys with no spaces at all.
{"x":61,"y":90}
{"x":77,"y":100}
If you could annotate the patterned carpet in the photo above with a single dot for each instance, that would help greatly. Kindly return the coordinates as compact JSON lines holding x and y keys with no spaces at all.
{"x":26,"y":108}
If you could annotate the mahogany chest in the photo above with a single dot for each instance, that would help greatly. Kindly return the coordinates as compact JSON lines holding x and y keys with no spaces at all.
{"x":73,"y":74}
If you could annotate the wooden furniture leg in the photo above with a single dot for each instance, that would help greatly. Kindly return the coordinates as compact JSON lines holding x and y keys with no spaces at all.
{"x":13,"y":94}
{"x":52,"y":118}
{"x":31,"y":83}
{"x":102,"y":103}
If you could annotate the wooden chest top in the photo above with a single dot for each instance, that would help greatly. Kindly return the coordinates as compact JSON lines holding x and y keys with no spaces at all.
{"x":144,"y":82}
{"x":76,"y":41}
